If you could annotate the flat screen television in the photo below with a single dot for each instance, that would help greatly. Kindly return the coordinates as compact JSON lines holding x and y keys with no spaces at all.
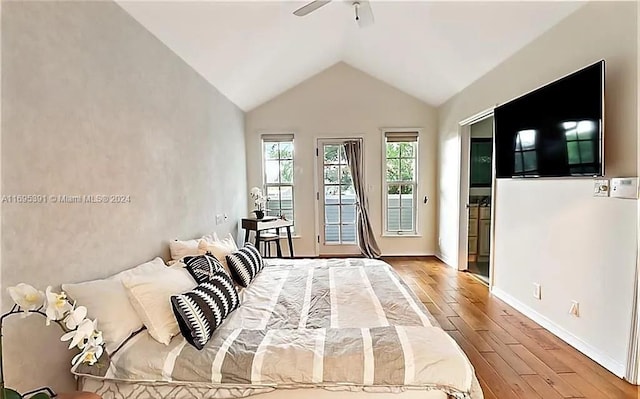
{"x":553,"y":131}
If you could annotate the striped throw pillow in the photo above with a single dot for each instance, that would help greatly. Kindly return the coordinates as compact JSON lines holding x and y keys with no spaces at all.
{"x":200,"y":311}
{"x":203,"y":267}
{"x":245,"y":264}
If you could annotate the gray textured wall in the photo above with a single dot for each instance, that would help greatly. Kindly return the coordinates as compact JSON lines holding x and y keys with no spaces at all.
{"x":94,"y":104}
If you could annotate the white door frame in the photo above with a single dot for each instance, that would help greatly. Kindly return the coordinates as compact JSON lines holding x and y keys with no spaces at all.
{"x":463,"y":191}
{"x":318,"y":185}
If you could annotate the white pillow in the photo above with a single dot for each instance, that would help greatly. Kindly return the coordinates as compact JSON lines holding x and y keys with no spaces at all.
{"x":180,"y":249}
{"x":219,"y":248}
{"x":107,"y":301}
{"x":150,"y":295}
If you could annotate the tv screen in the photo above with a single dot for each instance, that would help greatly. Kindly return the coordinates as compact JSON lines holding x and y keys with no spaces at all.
{"x":553,"y":131}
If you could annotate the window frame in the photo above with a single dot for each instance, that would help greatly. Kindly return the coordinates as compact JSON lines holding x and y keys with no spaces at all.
{"x":415,"y":232}
{"x":279,"y":138}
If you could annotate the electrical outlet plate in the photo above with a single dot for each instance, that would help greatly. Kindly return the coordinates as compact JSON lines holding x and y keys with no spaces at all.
{"x":601,"y":188}
{"x":575,"y":308}
{"x":537,"y":291}
{"x":219,"y":219}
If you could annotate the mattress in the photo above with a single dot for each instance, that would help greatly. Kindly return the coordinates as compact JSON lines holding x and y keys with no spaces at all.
{"x":339,"y":325}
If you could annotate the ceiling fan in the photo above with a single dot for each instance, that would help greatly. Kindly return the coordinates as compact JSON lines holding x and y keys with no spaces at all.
{"x":364,"y":15}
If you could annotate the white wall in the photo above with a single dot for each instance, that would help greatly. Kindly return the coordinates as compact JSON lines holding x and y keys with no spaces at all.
{"x":94,"y":104}
{"x":345,"y":102}
{"x":553,"y":231}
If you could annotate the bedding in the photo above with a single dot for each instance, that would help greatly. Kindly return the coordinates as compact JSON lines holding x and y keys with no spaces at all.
{"x":107,"y":301}
{"x":200,"y":311}
{"x":150,"y":294}
{"x":203,"y":267}
{"x":245,"y":264}
{"x":331,"y":324}
{"x":219,"y":248}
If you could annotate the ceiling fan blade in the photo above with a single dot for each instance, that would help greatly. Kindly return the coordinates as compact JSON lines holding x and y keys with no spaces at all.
{"x":311,"y":7}
{"x":365,"y":14}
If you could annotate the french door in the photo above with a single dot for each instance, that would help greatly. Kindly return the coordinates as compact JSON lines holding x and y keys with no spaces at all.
{"x":336,"y":196}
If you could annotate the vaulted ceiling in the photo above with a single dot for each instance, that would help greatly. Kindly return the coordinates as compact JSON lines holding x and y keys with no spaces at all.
{"x":253,"y":51}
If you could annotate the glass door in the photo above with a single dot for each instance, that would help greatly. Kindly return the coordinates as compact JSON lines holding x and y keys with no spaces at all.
{"x":336,"y":201}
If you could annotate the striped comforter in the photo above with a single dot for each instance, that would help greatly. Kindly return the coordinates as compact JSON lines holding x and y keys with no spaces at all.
{"x":335,"y":323}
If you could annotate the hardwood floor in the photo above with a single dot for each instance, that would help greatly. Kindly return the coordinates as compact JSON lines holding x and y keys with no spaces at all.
{"x":513,"y":356}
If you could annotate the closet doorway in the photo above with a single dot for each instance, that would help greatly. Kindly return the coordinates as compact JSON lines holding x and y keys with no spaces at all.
{"x":476,"y":197}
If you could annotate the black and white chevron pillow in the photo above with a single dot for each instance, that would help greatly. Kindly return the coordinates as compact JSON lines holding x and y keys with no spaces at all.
{"x":245,"y":264}
{"x":203,"y":267}
{"x":200,"y":311}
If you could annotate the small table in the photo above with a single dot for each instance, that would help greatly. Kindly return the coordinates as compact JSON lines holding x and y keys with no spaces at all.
{"x":268,"y":223}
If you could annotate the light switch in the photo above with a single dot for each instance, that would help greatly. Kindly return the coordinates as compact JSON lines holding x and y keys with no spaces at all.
{"x":601,"y":188}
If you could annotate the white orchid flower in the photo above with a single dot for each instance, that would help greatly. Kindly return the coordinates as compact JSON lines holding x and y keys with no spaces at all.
{"x":27,"y":297}
{"x":57,"y":305}
{"x":94,"y":340}
{"x":75,"y":317}
{"x":85,"y":331}
{"x":255,"y":191}
{"x":89,"y":355}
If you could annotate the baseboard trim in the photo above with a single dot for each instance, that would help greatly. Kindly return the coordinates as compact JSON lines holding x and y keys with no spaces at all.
{"x":446,"y":260}
{"x":596,"y":355}
{"x":411,"y":255}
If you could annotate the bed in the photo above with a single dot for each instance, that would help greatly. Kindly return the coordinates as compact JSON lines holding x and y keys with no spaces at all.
{"x":329,"y":328}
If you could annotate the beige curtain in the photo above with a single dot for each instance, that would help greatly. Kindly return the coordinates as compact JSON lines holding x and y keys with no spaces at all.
{"x":366,"y":237}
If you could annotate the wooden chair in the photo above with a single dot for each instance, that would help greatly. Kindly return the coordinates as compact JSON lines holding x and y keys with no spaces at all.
{"x":265,"y":241}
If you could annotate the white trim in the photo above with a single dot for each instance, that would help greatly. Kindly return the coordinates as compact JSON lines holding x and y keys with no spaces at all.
{"x":321,"y":247}
{"x":596,"y":355}
{"x":409,"y":254}
{"x":633,"y":355}
{"x":478,"y":117}
{"x":447,"y":260}
{"x":416,"y":217}
{"x":464,"y":135}
{"x":399,"y":235}
{"x":277,"y":138}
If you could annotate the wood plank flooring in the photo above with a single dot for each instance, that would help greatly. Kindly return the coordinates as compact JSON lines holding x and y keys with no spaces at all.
{"x":513,"y":356}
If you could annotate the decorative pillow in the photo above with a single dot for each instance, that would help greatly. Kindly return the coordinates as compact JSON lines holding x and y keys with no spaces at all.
{"x":107,"y":301}
{"x":180,"y":249}
{"x":202,"y":267}
{"x":245,"y":264}
{"x":150,"y":297}
{"x":219,"y":248}
{"x":202,"y":310}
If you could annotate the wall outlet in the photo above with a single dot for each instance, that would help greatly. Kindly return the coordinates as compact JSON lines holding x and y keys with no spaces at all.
{"x":537,"y":291}
{"x":601,"y":188}
{"x":219,"y":219}
{"x":575,"y":308}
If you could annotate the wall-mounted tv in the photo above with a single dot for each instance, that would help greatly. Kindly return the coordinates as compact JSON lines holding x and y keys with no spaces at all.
{"x":554,"y":131}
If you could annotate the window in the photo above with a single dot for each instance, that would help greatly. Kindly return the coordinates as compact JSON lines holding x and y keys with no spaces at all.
{"x":277,"y":155}
{"x":526,"y":157}
{"x":582,"y":146}
{"x":339,"y":195}
{"x":480,"y":165}
{"x":400,"y":182}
